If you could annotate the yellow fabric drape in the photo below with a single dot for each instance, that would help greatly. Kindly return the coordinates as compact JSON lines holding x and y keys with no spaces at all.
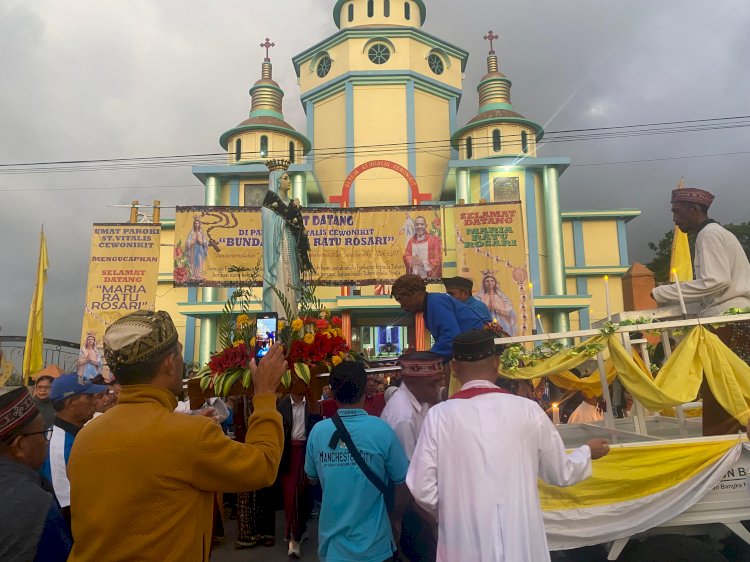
{"x":557,"y":369}
{"x":632,"y":473}
{"x":558,"y":363}
{"x":701,"y":354}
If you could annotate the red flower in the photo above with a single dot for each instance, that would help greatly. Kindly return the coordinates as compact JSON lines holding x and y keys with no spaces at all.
{"x":436,"y":222}
{"x":336,"y":321}
{"x":180,"y":275}
{"x":321,"y":324}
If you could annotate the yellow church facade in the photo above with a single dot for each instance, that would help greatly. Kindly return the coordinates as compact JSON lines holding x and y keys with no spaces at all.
{"x":381,"y":98}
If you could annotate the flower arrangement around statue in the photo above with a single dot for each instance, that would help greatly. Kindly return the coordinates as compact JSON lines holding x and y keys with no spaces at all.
{"x":313,"y":343}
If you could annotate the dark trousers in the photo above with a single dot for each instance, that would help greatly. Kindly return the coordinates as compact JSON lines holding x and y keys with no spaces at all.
{"x":418,"y":542}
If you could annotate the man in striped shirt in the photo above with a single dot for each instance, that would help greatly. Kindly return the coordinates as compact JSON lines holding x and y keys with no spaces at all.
{"x":74,"y":404}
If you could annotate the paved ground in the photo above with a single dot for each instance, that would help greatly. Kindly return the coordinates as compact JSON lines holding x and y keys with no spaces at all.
{"x":225,"y":551}
{"x":735,"y":550}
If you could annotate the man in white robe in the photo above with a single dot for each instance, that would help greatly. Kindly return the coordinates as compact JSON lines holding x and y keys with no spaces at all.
{"x":722,"y":281}
{"x":421,"y":381}
{"x":477,"y":461}
{"x":722,"y":270}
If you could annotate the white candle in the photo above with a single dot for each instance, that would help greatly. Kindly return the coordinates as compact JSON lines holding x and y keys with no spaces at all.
{"x":683,"y":308}
{"x":606,"y":296}
{"x":556,"y":414}
{"x":539,"y":326}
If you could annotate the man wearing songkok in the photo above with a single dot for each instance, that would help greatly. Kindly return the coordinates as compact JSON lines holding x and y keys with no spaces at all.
{"x":166,"y":467}
{"x":421,"y":381}
{"x":354,"y":522}
{"x":722,"y":281}
{"x":75,"y":404}
{"x":444,"y":316}
{"x":477,"y":461}
{"x":460,"y":288}
{"x":33,"y":528}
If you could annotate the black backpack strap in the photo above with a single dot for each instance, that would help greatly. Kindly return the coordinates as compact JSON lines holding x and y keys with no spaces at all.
{"x":347,"y":439}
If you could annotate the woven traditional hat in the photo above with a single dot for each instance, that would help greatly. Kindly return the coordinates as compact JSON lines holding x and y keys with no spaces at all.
{"x":692,"y":195}
{"x":473,"y":345}
{"x":138,"y":337}
{"x":17,"y":409}
{"x":421,"y":364}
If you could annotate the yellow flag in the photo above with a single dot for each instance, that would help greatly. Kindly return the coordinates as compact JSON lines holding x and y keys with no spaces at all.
{"x":33,"y":361}
{"x":680,"y":262}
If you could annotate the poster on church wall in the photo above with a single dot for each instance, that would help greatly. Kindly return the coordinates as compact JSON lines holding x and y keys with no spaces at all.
{"x":211,"y":242}
{"x":347,"y":246}
{"x":123,"y":276}
{"x":375,"y":245}
{"x":491,"y":251}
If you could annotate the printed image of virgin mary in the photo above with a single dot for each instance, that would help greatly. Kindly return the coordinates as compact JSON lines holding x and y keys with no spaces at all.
{"x":196,"y":250}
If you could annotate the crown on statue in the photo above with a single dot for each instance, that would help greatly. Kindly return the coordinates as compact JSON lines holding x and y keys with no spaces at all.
{"x":277,"y":164}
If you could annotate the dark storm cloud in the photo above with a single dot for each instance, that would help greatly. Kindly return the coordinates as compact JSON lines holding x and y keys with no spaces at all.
{"x":86,"y":80}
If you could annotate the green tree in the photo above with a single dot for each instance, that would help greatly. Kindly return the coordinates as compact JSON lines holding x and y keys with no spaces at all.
{"x":663,"y":249}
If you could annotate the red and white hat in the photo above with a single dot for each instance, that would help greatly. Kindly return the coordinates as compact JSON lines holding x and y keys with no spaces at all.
{"x":17,"y":409}
{"x":692,"y":195}
{"x":421,"y":364}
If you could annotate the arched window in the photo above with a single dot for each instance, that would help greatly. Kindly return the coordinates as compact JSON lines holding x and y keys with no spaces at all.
{"x":469,"y":148}
{"x":370,"y":8}
{"x":407,"y":10}
{"x":351,"y":12}
{"x":264,"y":146}
{"x":387,"y":8}
{"x":524,"y":141}
{"x":497,"y":141}
{"x":292,"y":152}
{"x":238,"y":150}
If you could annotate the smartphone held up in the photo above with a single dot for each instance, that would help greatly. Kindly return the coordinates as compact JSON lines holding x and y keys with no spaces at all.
{"x":267,"y":325}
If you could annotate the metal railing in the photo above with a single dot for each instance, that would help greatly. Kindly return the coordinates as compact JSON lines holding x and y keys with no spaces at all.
{"x":663,"y":326}
{"x":62,"y":353}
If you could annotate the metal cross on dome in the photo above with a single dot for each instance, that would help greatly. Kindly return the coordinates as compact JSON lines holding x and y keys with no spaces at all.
{"x":491,"y":36}
{"x":267,"y":45}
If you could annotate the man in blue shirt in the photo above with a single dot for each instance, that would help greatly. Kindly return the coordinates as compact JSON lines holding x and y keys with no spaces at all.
{"x":444,"y":316}
{"x":354,"y":522}
{"x":460,"y":288}
{"x":75,"y":404}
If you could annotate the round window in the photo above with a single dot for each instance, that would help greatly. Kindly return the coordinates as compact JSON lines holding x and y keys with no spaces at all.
{"x":436,"y":64}
{"x":379,"y":53}
{"x":324,"y":66}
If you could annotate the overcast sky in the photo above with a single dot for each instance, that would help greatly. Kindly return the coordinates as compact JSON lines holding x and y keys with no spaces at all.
{"x":95,"y":79}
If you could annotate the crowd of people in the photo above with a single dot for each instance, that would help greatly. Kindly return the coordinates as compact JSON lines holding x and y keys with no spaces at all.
{"x":377,"y":470}
{"x":431,"y":474}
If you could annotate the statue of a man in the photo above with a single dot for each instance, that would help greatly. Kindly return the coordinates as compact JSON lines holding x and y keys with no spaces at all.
{"x":285,"y":245}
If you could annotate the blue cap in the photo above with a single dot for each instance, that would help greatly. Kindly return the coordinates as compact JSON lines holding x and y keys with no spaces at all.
{"x":68,"y":385}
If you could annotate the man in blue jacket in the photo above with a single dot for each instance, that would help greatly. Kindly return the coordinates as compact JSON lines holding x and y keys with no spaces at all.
{"x":75,"y":404}
{"x":444,"y":316}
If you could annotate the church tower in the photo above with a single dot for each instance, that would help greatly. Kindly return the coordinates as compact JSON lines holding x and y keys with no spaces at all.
{"x":381,"y":97}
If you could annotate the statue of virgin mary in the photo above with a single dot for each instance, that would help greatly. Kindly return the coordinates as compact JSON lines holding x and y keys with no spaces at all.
{"x":285,"y":244}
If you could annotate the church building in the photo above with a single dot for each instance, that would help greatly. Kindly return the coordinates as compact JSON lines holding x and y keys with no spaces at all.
{"x":381,"y":99}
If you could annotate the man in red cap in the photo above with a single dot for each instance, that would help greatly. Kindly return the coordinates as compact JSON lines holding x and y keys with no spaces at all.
{"x":722,"y":281}
{"x":32,"y":527}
